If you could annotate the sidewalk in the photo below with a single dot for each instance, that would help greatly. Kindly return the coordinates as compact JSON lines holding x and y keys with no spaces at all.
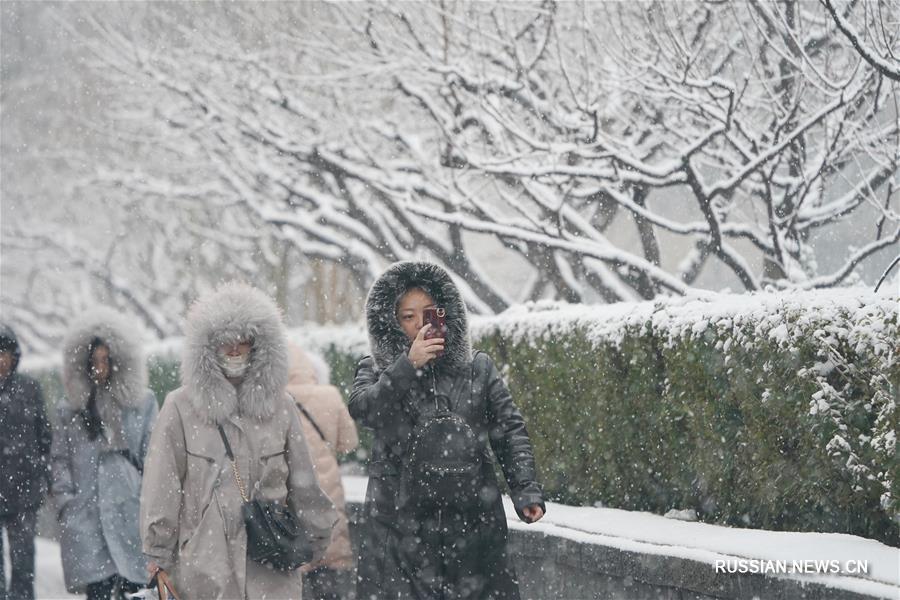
{"x":647,"y":534}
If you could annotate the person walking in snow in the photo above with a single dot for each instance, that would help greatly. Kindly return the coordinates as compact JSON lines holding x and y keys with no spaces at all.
{"x":98,"y":453}
{"x":434,"y":522}
{"x":329,"y":430}
{"x":234,"y":371}
{"x":24,"y":448}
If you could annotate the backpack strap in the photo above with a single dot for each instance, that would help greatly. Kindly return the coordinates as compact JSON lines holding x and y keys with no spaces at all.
{"x":451,"y":407}
{"x":475,"y":356}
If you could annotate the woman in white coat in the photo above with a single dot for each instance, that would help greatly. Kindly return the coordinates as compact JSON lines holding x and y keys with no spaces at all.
{"x":234,"y":371}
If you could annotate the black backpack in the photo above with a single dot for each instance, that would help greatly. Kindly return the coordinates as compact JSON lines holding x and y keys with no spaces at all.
{"x":443,"y":464}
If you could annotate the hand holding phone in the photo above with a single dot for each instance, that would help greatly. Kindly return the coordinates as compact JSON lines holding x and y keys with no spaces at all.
{"x":429,"y":343}
{"x":436,"y":317}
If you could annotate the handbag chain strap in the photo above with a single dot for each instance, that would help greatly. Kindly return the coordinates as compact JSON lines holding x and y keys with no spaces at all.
{"x":234,"y":469}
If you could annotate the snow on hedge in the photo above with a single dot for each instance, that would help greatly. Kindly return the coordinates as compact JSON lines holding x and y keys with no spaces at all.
{"x":854,"y":315}
{"x":850,"y":314}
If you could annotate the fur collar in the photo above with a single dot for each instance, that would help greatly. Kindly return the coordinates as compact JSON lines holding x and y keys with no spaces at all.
{"x":234,"y":312}
{"x":387,"y":339}
{"x":128,"y":379}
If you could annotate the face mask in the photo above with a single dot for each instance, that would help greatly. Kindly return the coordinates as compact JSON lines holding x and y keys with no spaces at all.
{"x":234,"y":366}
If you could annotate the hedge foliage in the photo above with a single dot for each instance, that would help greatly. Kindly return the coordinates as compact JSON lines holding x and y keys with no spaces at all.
{"x":792,"y":435}
{"x":770,"y":411}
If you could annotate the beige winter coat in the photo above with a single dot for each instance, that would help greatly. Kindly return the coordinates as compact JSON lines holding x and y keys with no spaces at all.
{"x":191,"y":521}
{"x":325,"y":405}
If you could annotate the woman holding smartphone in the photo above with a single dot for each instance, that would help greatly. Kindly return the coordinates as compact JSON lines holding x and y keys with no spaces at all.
{"x":434,"y":520}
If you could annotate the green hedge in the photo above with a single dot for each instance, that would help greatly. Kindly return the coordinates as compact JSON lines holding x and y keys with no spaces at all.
{"x":774,"y":411}
{"x":655,"y":423}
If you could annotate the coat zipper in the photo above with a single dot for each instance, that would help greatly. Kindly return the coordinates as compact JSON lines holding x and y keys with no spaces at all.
{"x":434,"y":390}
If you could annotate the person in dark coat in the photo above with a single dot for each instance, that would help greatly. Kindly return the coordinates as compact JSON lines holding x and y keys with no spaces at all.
{"x":458,"y":552}
{"x":24,"y":448}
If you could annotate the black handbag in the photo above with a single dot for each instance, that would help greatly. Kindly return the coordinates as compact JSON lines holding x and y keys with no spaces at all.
{"x":275,"y":536}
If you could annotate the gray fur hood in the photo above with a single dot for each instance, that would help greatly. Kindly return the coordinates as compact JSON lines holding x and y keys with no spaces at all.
{"x":386,"y":337}
{"x":232,"y":313}
{"x":128,"y":377}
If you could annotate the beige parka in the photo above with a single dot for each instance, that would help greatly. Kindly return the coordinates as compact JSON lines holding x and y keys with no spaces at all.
{"x":191,"y":522}
{"x":326,"y":407}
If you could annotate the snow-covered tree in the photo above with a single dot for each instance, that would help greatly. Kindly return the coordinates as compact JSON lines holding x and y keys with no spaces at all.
{"x":619,"y":149}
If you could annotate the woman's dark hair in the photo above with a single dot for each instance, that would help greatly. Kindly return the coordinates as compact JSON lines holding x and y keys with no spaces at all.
{"x":90,"y":416}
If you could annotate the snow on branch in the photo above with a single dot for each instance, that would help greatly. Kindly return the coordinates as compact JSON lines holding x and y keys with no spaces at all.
{"x":888,"y":68}
{"x":672,"y":158}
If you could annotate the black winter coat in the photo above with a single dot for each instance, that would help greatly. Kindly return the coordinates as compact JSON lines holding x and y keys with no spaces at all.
{"x":24,"y":441}
{"x":442,"y":556}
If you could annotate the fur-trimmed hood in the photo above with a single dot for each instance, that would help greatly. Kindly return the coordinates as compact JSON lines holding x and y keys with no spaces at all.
{"x":10,"y":342}
{"x":128,"y":376}
{"x":232,"y":313}
{"x":386,"y":337}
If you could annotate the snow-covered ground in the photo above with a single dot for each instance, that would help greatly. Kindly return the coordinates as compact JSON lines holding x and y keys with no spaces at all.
{"x":49,"y":578}
{"x":48,"y":584}
{"x":649,"y":534}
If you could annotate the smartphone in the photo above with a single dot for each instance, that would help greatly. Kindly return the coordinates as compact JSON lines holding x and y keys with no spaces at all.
{"x":436,"y":318}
